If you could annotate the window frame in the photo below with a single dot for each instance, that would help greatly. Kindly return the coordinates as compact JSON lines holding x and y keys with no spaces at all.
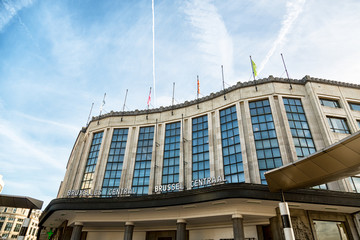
{"x":326,"y":102}
{"x":345,"y":125}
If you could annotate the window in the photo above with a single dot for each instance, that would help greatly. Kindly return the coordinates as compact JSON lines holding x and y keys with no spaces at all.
{"x":355,"y":183}
{"x":338,"y":125}
{"x":1,"y":224}
{"x":2,"y":218}
{"x":170,"y":173}
{"x":329,"y":103}
{"x":330,"y":230}
{"x":358,"y":121}
{"x":267,"y":146}
{"x":141,"y":177}
{"x":354,"y":106}
{"x":17,"y":227}
{"x":233,"y":164}
{"x":299,"y":127}
{"x":14,"y":236}
{"x":91,"y":161}
{"x":8,"y":227}
{"x":322,"y":186}
{"x":200,"y":148}
{"x":5,"y":235}
{"x":115,"y":161}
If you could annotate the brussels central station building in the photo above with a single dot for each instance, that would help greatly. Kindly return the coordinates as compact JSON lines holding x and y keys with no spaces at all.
{"x":196,"y":170}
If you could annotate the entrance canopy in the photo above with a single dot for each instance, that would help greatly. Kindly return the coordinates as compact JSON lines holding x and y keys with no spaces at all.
{"x":337,"y":161}
{"x":20,"y":202}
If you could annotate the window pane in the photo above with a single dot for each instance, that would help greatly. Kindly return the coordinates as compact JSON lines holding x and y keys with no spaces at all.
{"x":200,"y":146}
{"x":91,"y":161}
{"x":267,"y":147}
{"x":338,"y":125}
{"x":115,"y":161}
{"x":143,"y":160}
{"x":171,"y":159}
{"x":231,"y":148}
{"x":299,"y":127}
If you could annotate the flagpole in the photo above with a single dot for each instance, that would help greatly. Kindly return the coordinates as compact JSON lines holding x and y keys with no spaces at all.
{"x":173,"y":98}
{"x":287,"y":74}
{"x":103,"y":103}
{"x":125,"y":100}
{"x":223,"y":81}
{"x":252,"y":67}
{"x":92,"y":105}
{"x":198,"y":90}
{"x":149,"y":99}
{"x":123,"y":110}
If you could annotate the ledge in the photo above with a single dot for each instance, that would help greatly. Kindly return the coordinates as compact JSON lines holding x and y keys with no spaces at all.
{"x":213,"y":193}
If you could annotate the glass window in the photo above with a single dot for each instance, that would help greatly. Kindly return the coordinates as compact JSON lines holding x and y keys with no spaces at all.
{"x":355,"y":183}
{"x":322,"y":186}
{"x":267,"y":146}
{"x":358,"y":121}
{"x":171,"y":164}
{"x":200,"y":148}
{"x":338,"y":125}
{"x":329,"y":103}
{"x":17,"y":227}
{"x":91,"y":161}
{"x":115,"y":161}
{"x":354,"y":106}
{"x":299,"y":127}
{"x":328,"y":230}
{"x":8,"y":227}
{"x":233,"y":164}
{"x":1,"y":224}
{"x":140,"y":184}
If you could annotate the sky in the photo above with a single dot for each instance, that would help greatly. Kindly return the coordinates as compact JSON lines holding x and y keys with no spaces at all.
{"x":58,"y":57}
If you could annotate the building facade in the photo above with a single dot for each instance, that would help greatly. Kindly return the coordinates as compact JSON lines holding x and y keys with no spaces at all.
{"x":11,"y":222}
{"x":196,"y":170}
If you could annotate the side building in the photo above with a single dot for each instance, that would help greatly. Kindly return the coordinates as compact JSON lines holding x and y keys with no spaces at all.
{"x":12,"y":219}
{"x":196,"y":170}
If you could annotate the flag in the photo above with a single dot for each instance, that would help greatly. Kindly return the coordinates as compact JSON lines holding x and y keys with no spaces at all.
{"x":198,"y":86}
{"x":149,"y":99}
{"x":254,"y":67}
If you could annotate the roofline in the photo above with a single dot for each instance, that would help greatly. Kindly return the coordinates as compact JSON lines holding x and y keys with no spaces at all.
{"x":238,"y":85}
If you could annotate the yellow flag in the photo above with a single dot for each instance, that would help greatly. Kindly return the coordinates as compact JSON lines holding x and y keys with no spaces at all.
{"x":254,"y":67}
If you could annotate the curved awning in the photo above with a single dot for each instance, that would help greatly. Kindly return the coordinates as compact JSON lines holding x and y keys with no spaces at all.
{"x":337,"y":161}
{"x":20,"y":202}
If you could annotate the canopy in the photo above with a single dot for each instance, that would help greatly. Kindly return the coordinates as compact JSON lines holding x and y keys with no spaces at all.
{"x":20,"y":202}
{"x":337,"y":161}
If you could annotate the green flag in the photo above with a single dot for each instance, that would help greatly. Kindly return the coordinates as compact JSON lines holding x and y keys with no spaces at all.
{"x":254,"y":67}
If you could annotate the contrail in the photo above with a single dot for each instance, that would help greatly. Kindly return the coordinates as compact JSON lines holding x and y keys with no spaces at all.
{"x":153,"y":33}
{"x":293,"y":9}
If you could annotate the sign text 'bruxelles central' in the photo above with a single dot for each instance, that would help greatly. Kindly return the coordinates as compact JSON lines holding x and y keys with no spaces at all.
{"x":203,"y":182}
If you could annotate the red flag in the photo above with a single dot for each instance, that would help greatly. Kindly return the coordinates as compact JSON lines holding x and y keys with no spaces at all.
{"x":198,"y":86}
{"x":149,"y":99}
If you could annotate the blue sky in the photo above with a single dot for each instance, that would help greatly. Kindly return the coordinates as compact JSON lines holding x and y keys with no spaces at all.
{"x":59,"y":57}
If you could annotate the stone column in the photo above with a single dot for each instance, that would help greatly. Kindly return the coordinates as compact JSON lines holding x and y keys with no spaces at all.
{"x":77,"y":229}
{"x":181,"y":229}
{"x":129,"y":229}
{"x":238,"y":227}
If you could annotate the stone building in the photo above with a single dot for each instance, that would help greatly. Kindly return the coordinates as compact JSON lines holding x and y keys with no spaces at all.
{"x":11,"y":222}
{"x":196,"y":170}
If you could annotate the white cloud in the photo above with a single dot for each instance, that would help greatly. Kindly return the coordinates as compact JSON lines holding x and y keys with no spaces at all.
{"x":27,"y":147}
{"x":214,"y":41}
{"x":10,"y":10}
{"x":293,"y":9}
